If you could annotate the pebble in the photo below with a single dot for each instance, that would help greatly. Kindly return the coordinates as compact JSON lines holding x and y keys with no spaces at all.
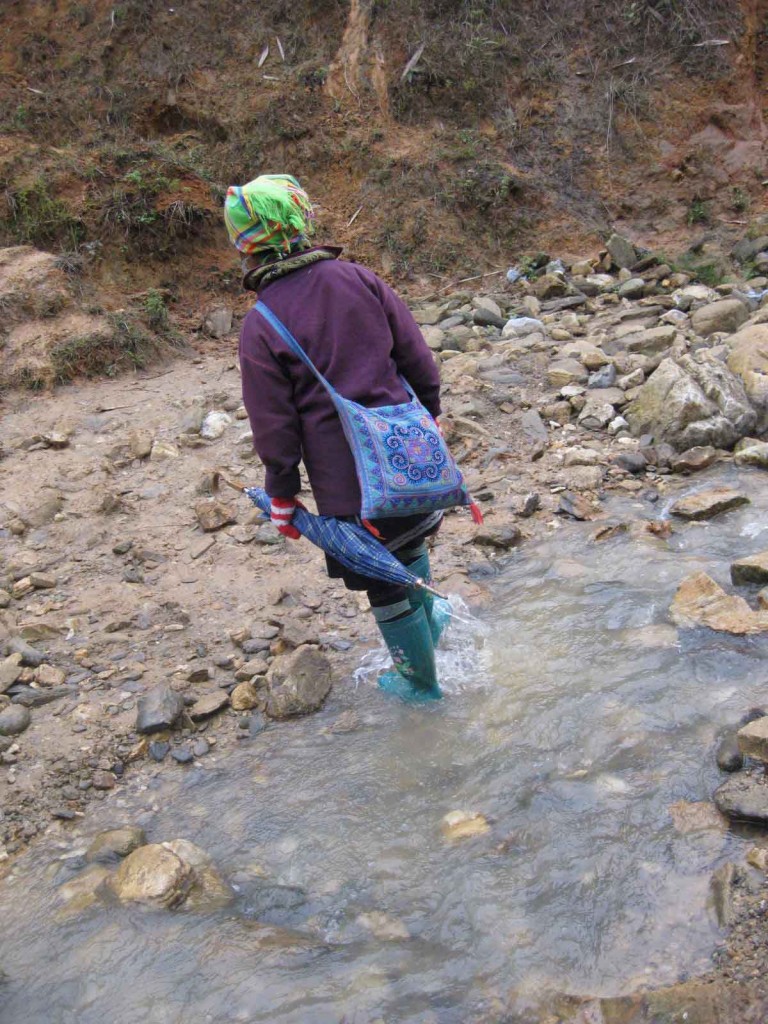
{"x":158,"y":750}
{"x":182,"y":755}
{"x":159,"y":709}
{"x":200,"y":747}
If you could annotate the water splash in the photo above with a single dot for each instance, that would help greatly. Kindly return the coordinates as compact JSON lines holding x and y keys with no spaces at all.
{"x":463,"y":657}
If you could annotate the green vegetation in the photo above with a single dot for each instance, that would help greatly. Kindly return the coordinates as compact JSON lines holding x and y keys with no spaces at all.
{"x":698,"y":212}
{"x":37,"y":217}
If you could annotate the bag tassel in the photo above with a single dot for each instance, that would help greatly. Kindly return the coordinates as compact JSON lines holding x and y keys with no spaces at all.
{"x":477,"y":515}
{"x":371,"y":528}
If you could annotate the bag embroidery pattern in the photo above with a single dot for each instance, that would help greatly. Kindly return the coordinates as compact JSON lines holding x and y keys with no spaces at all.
{"x":403,"y":464}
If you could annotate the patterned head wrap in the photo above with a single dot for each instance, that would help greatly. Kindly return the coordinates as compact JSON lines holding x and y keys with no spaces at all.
{"x":270,"y":215}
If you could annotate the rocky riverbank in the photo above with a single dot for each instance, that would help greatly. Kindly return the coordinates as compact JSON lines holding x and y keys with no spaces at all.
{"x":148,"y":621}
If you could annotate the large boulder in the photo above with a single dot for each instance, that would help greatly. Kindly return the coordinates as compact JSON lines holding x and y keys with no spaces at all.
{"x":748,"y":359}
{"x":700,"y":601}
{"x":724,"y":316}
{"x":297,"y":683}
{"x":692,"y":401}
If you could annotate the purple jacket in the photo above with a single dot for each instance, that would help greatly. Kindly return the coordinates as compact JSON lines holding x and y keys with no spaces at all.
{"x":360,"y":336}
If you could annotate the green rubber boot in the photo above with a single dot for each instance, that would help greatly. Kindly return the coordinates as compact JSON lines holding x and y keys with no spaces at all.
{"x":409,"y":641}
{"x":438,"y":610}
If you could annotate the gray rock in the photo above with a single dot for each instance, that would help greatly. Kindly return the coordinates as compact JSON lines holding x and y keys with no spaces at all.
{"x":218,"y":323}
{"x":722,"y":884}
{"x":521,"y":327}
{"x":694,"y":459}
{"x":692,"y":402}
{"x":729,"y":757}
{"x":753,"y":569}
{"x":708,"y":504}
{"x":748,"y":359}
{"x":753,"y":455}
{"x":10,"y":670}
{"x":159,"y":709}
{"x":533,"y":426}
{"x":182,"y":755}
{"x":596,"y":414}
{"x":605,"y":377}
{"x":115,"y":843}
{"x":159,"y":750}
{"x":632,"y":462}
{"x":632,"y":289}
{"x":501,"y":537}
{"x":14,"y":720}
{"x":724,"y":316}
{"x":753,"y":739}
{"x":29,"y":655}
{"x":487,"y":318}
{"x":298,"y":683}
{"x":622,"y":251}
{"x":651,"y":342}
{"x":748,"y":248}
{"x":743,"y":797}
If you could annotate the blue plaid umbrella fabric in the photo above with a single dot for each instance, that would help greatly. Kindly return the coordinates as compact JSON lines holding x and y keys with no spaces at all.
{"x":348,"y":543}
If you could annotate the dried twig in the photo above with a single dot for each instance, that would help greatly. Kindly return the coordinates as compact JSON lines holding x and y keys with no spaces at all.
{"x":713,"y":42}
{"x":413,"y":61}
{"x":280,"y":48}
{"x":353,"y":218}
{"x":264,"y":55}
{"x":476,"y":277}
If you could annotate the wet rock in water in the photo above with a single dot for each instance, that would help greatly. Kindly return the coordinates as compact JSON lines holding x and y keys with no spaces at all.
{"x":83,"y":891}
{"x":153,"y":875}
{"x":700,"y":601}
{"x":209,"y":890}
{"x":297,"y":683}
{"x":724,"y":316}
{"x":753,"y":739}
{"x":694,"y":459}
{"x":116,"y":842}
{"x":753,"y":569}
{"x":721,"y":887}
{"x":710,"y":503}
{"x":14,"y":720}
{"x":257,"y":723}
{"x":743,"y":797}
{"x":501,"y":537}
{"x":182,"y":755}
{"x":464,"y":825}
{"x":729,"y":758}
{"x":213,"y":515}
{"x":383,"y":927}
{"x":159,"y":709}
{"x":699,"y":816}
{"x":208,"y":704}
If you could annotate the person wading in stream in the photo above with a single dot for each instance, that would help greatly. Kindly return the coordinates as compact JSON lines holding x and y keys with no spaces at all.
{"x":362,"y":338}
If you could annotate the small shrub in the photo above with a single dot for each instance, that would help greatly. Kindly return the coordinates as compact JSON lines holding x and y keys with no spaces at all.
{"x":698,"y":212}
{"x":35,"y":216}
{"x":156,"y":310}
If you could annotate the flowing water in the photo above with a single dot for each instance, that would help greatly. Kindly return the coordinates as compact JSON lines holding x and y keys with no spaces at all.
{"x":577,"y":718}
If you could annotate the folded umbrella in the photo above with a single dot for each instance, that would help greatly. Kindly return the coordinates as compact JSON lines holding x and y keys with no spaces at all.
{"x":349,"y":543}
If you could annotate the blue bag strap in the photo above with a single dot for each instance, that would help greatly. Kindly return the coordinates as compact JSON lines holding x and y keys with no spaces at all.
{"x":293,"y":345}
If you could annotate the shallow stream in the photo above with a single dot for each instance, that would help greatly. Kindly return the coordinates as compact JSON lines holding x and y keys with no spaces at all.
{"x":577,"y":718}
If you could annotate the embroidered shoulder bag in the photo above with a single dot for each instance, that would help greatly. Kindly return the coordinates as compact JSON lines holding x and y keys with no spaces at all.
{"x":403,"y":464}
